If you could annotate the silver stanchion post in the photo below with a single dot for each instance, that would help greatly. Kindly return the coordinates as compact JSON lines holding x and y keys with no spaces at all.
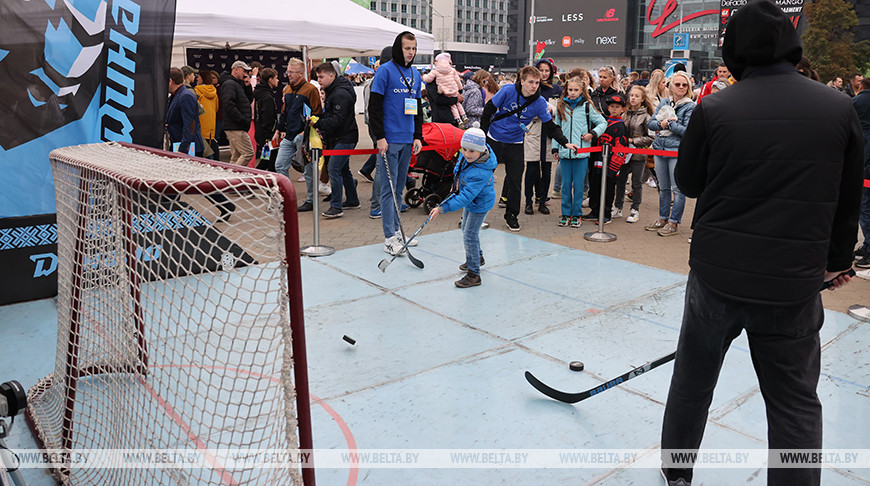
{"x":601,"y":236}
{"x":316,"y":250}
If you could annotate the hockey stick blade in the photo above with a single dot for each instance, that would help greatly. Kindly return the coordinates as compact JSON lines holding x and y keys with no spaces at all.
{"x":417,"y":263}
{"x":576,"y":397}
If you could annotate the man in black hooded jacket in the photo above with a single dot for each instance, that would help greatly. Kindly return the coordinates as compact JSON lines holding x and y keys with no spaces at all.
{"x":778,"y":186}
{"x":339,"y":130}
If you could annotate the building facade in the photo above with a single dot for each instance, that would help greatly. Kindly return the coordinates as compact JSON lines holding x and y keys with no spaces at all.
{"x":474,"y":32}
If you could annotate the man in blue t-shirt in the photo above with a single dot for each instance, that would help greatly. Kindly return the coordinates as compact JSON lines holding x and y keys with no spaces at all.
{"x":396,"y":121}
{"x":505,"y":120}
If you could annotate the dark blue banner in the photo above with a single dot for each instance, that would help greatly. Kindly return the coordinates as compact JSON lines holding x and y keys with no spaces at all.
{"x":72,"y":72}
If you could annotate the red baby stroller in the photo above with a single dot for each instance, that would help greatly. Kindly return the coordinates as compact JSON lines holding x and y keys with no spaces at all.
{"x":436,"y":166}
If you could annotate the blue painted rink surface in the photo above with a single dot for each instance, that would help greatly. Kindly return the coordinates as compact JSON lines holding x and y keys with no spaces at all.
{"x":440,"y":368}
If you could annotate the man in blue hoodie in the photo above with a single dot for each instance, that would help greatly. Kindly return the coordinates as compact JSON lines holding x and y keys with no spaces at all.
{"x":505,"y":121}
{"x":396,"y":121}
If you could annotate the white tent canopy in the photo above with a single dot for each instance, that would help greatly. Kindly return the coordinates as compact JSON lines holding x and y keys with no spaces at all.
{"x":329,"y":28}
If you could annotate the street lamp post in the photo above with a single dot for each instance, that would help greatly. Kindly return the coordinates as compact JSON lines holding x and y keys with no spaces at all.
{"x":532,"y":34}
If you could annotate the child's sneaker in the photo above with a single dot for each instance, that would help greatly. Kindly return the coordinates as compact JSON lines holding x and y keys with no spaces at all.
{"x":502,"y":202}
{"x":469,"y":280}
{"x":375,"y":214}
{"x":556,"y":194}
{"x":616,"y":213}
{"x":633,"y":217}
{"x":585,"y":203}
{"x":459,"y":123}
{"x":393,"y":245}
{"x":563,"y":221}
{"x":590,"y":217}
{"x":575,"y":222}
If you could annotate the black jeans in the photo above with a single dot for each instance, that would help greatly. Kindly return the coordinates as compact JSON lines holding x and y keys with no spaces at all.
{"x":595,"y":192}
{"x":537,"y":180}
{"x":785,"y":350}
{"x":635,"y":167}
{"x":511,"y":155}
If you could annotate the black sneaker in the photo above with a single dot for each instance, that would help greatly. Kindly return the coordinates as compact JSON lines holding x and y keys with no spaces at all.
{"x":327,"y":198}
{"x":512,"y":222}
{"x":543,"y":209}
{"x":863,"y":262}
{"x":502,"y":202}
{"x":590,"y":216}
{"x":332,"y":213}
{"x":464,"y":267}
{"x":859,"y":254}
{"x":529,"y":208}
{"x":469,"y":280}
{"x":347,"y":205}
{"x":305,"y":207}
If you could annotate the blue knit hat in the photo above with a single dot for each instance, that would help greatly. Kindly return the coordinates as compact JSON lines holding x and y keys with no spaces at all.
{"x":474,"y":139}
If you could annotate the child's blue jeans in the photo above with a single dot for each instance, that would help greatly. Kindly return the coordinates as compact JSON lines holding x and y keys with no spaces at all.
{"x":471,"y":223}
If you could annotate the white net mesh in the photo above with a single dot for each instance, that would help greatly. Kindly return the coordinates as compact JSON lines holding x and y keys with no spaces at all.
{"x":174,"y":324}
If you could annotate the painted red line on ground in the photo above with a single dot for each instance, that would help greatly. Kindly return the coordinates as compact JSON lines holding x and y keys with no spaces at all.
{"x":226,"y":477}
{"x":353,"y":475}
{"x":593,"y":311}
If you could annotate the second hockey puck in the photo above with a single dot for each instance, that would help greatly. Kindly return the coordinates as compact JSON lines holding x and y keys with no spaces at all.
{"x":349,"y":340}
{"x":576,"y":366}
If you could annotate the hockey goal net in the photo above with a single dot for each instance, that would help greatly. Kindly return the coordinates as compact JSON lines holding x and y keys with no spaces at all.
{"x":180,"y":322}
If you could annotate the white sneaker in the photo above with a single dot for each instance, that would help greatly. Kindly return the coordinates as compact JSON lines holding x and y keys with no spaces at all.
{"x":632,"y":217}
{"x":651,"y":182}
{"x":586,"y":203}
{"x":402,"y":242}
{"x":392,"y":246}
{"x":324,"y":189}
{"x":616,"y":213}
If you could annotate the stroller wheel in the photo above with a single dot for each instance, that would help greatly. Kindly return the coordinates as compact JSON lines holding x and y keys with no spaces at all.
{"x":431,"y":202}
{"x":413,"y":197}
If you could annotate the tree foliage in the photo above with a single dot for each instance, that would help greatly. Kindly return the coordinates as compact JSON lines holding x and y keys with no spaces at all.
{"x":829,"y":42}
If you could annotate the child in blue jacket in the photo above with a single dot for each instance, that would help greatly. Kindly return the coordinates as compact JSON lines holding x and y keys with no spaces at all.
{"x":473,"y":190}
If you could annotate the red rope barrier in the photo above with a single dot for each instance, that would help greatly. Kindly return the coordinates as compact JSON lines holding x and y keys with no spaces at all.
{"x":867,"y":183}
{"x":586,"y":150}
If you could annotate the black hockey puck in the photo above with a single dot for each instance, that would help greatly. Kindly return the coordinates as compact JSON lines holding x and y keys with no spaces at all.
{"x":576,"y":366}
{"x":351,"y":341}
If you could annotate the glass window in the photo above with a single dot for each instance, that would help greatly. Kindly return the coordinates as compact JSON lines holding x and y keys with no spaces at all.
{"x":374,"y":6}
{"x":392,"y":7}
{"x":484,"y":29}
{"x":485,"y":4}
{"x":414,"y":23}
{"x":404,"y":9}
{"x":501,"y":30}
{"x":476,"y":28}
{"x":413,"y":9}
{"x":476,"y":16}
{"x":422,"y":25}
{"x":501,"y":18}
{"x":476,"y":3}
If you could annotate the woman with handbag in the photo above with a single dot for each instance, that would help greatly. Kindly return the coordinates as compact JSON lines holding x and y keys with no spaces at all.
{"x":670,"y":120}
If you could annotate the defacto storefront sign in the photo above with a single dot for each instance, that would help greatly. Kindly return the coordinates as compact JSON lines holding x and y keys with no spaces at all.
{"x":792,"y":8}
{"x":579,"y":26}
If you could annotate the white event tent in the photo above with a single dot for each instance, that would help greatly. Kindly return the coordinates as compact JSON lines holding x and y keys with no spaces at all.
{"x":326,"y":28}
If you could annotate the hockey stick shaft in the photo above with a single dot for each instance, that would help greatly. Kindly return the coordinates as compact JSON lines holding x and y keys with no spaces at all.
{"x":576,"y":397}
{"x":417,"y":263}
{"x":386,"y":263}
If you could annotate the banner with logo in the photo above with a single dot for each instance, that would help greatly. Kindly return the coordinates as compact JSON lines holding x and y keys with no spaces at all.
{"x":581,"y":26}
{"x":71,"y":72}
{"x":793,"y":8}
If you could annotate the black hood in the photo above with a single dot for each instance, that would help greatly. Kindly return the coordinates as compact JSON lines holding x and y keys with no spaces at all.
{"x":398,"y":56}
{"x":552,"y":69}
{"x":341,"y":83}
{"x":759,"y":34}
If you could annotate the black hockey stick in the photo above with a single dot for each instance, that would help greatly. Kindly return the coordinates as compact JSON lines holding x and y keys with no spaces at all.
{"x":576,"y":397}
{"x":417,"y":263}
{"x":386,"y":263}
